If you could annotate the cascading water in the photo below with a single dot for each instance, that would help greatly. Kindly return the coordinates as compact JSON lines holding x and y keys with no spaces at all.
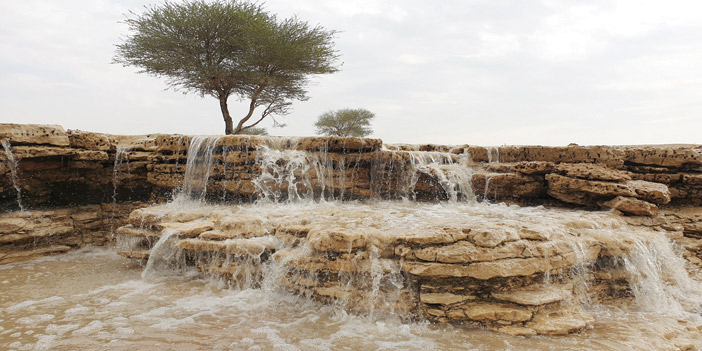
{"x":12,"y":165}
{"x":121,"y":157}
{"x":659,"y":280}
{"x":201,"y":159}
{"x":343,"y":253}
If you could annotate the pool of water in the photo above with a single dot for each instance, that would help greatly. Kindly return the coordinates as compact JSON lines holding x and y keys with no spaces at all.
{"x":93,"y":299}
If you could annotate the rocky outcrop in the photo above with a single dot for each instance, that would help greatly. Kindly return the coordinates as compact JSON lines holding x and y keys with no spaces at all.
{"x":521,"y":276}
{"x":31,"y":234}
{"x":506,"y":271}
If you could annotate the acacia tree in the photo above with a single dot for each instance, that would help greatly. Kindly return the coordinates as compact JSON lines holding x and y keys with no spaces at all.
{"x":345,"y":123}
{"x":229,"y":47}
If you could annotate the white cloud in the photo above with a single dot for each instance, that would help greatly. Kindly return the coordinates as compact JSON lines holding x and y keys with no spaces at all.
{"x":481,"y":72}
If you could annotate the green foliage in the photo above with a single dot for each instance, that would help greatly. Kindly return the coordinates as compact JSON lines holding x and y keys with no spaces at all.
{"x":229,"y":47}
{"x":254,"y":131}
{"x":345,"y":123}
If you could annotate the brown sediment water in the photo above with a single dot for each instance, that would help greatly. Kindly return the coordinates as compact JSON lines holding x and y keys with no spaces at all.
{"x":92,"y":299}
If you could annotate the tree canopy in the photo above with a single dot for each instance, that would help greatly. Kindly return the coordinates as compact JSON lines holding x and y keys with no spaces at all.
{"x":345,"y":123}
{"x":229,"y":47}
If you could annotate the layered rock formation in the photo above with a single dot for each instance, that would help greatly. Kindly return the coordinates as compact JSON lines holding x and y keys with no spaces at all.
{"x":501,"y":267}
{"x":505,"y":268}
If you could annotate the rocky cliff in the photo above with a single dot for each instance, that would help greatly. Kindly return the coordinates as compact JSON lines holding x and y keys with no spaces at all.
{"x":466,"y":263}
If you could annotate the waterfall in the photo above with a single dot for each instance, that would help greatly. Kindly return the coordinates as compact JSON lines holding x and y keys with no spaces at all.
{"x":121,"y":156}
{"x":453,"y":174}
{"x":12,"y":165}
{"x":163,"y":256}
{"x":292,"y":175}
{"x":659,"y":281}
{"x":198,"y":168}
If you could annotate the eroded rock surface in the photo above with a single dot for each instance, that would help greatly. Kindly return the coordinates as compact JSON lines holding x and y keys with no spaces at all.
{"x":501,"y":267}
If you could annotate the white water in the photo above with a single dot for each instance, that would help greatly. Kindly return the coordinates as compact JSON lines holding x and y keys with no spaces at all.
{"x":12,"y":165}
{"x":98,"y":301}
{"x":117,"y":310}
{"x":121,"y":157}
{"x":198,"y":168}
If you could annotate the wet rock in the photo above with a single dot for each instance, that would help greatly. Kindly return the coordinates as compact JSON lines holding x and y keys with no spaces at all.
{"x":649,"y":191}
{"x":187,"y":229}
{"x":444,"y":298}
{"x":491,"y":312}
{"x":89,"y":141}
{"x":632,"y":206}
{"x":534,"y":167}
{"x":37,"y":134}
{"x":534,"y":295}
{"x":559,"y":321}
{"x":591,"y":172}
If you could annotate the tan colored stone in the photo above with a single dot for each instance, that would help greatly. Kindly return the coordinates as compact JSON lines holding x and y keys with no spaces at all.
{"x":632,"y":206}
{"x":24,"y":255}
{"x":560,"y":321}
{"x":493,"y":236}
{"x":434,"y":236}
{"x":654,"y":192}
{"x":491,"y":311}
{"x":135,"y":254}
{"x":594,"y":187}
{"x":336,"y":240}
{"x":510,"y":267}
{"x":534,"y":295}
{"x":444,"y":298}
{"x":88,"y":140}
{"x":507,"y":185}
{"x":141,"y":142}
{"x":466,"y":252}
{"x":664,"y":155}
{"x":38,"y":134}
{"x":534,"y":167}
{"x":252,"y":246}
{"x":516,"y":330}
{"x":188,"y":229}
{"x":591,"y":172}
{"x":9,"y":225}
{"x":133,"y":231}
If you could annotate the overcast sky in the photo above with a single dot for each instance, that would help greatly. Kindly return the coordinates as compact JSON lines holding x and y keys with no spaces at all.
{"x":451,"y":71}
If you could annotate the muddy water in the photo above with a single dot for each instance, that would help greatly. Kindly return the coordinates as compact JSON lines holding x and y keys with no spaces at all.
{"x":94,"y":300}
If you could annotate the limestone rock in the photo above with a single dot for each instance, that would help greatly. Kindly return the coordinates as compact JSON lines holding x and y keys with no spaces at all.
{"x":664,"y":155}
{"x":507,"y":185}
{"x":25,"y":255}
{"x":491,"y":311}
{"x":331,"y":239}
{"x":434,"y":236}
{"x":568,"y":184}
{"x":444,"y":298}
{"x":89,"y":141}
{"x":187,"y":229}
{"x":493,"y":236}
{"x":252,"y":246}
{"x":38,"y":134}
{"x":560,"y":321}
{"x":141,"y":142}
{"x":135,"y":254}
{"x":534,"y":295}
{"x":467,"y":252}
{"x":632,"y":206}
{"x":591,"y":172}
{"x":654,"y":192}
{"x":534,"y":167}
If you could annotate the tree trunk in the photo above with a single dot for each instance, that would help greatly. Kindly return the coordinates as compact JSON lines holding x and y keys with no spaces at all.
{"x":252,"y":107}
{"x":228,"y":124}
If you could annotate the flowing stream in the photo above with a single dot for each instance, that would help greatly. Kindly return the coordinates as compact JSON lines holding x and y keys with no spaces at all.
{"x":98,"y":300}
{"x":12,"y":165}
